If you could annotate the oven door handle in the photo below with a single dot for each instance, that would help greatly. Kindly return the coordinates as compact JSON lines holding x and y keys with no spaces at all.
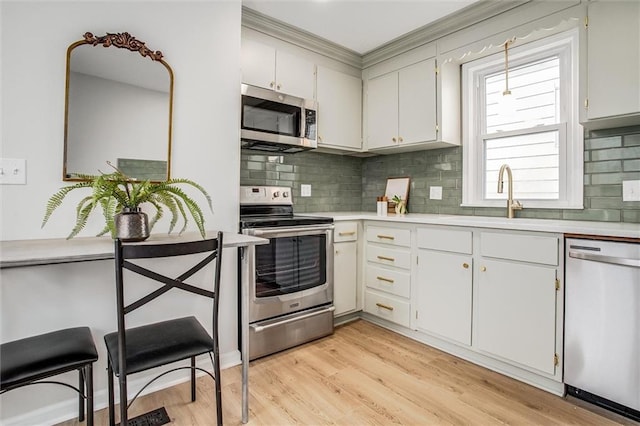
{"x":260,"y":232}
{"x":258,"y":328}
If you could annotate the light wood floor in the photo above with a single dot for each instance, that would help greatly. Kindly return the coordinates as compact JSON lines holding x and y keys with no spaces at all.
{"x":366,"y":375}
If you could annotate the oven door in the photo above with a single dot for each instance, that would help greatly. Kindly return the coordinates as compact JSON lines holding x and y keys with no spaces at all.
{"x":293,"y":272}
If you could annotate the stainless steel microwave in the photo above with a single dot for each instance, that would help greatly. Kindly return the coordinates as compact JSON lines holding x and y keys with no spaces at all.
{"x":276,"y":122}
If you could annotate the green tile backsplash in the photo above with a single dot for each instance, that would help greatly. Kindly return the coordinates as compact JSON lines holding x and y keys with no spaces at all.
{"x":344,"y":183}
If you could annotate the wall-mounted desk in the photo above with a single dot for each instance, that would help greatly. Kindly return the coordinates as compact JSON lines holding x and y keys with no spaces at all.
{"x":93,"y":278}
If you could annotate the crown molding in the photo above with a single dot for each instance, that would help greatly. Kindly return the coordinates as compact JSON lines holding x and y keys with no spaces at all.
{"x":457,"y":21}
{"x":283,"y":31}
{"x":464,"y":18}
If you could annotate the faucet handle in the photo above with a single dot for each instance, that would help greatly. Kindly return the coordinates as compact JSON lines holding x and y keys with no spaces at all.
{"x":516,"y":205}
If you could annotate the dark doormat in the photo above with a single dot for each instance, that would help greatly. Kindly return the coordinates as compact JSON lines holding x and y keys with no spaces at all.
{"x":156,"y":417}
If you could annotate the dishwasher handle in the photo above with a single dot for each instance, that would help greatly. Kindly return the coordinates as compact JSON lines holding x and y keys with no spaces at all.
{"x":623,"y":261}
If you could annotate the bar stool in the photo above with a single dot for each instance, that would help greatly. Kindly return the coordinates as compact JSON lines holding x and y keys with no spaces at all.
{"x":133,"y":350}
{"x":31,"y":360}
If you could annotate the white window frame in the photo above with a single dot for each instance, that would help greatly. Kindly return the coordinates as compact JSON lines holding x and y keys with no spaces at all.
{"x":571,"y":152}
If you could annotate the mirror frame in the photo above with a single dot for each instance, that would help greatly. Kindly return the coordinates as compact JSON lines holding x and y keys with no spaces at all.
{"x":122,"y":40}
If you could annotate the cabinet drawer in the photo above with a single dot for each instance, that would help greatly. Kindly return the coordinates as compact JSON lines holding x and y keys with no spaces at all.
{"x":392,"y":236}
{"x":445,"y":240}
{"x":526,"y":248}
{"x":390,"y":281}
{"x":389,"y":308}
{"x":345,"y":231}
{"x":389,"y":257}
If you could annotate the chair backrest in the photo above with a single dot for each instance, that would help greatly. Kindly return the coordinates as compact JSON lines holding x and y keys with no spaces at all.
{"x":125,"y":253}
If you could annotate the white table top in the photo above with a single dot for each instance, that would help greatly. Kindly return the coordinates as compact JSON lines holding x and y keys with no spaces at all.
{"x":59,"y":250}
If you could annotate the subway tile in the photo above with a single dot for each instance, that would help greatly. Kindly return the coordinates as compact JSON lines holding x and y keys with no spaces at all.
{"x":631,"y":165}
{"x":603,"y":166}
{"x":606,"y":178}
{"x":616,"y":153}
{"x":601,"y":143}
{"x":631,"y":216}
{"x":603,"y":191}
{"x":593,"y":214}
{"x":605,"y":203}
{"x":631,"y":140}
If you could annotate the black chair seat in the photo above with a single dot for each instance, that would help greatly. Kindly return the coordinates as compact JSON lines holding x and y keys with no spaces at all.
{"x":38,"y":357}
{"x":159,"y":343}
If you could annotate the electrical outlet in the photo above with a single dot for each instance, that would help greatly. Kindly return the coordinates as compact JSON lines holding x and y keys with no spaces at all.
{"x":631,"y":190}
{"x":305,"y":190}
{"x":435,"y":192}
{"x":13,"y":171}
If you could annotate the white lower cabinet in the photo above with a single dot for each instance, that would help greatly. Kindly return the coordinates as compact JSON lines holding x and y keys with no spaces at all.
{"x":493,"y":297}
{"x":517,"y":296}
{"x":443,"y":299}
{"x":516,"y":313}
{"x":345,"y":260}
{"x":444,"y":283}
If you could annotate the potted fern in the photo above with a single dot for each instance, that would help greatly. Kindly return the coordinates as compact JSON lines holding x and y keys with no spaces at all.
{"x":120,"y":197}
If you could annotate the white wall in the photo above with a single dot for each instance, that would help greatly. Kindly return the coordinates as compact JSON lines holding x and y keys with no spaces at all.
{"x":201,"y":42}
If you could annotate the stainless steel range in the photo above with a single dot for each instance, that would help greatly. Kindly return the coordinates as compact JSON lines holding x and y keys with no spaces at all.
{"x":291,"y":292}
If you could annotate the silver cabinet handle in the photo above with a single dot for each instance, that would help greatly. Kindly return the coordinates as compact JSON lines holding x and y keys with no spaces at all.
{"x":605,"y":259}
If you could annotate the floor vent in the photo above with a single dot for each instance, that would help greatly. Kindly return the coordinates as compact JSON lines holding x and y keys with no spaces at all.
{"x":156,"y":417}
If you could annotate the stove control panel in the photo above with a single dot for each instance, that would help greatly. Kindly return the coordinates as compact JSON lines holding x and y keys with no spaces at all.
{"x":265,"y":195}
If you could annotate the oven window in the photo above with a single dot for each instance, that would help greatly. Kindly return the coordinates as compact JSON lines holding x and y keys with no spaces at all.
{"x":271,"y":117}
{"x":290,"y":264}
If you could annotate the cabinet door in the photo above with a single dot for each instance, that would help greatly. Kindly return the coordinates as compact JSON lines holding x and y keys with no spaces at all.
{"x":339,"y":109}
{"x":444,"y":294}
{"x":382,"y":111}
{"x":258,"y":64}
{"x":295,"y":76}
{"x":345,"y":276}
{"x":417,"y":103}
{"x":613,"y":56}
{"x":516,"y":313}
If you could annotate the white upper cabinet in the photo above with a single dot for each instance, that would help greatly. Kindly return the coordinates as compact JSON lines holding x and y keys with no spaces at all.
{"x":265,"y":66}
{"x":401,"y":107}
{"x":417,"y":103}
{"x":339,"y":110}
{"x":613,"y":56}
{"x":382,"y":111}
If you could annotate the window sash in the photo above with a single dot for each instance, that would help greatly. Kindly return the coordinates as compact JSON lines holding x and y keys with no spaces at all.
{"x":570,"y":189}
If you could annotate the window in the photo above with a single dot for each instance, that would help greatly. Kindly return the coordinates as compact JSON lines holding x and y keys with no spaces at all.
{"x":534,"y":130}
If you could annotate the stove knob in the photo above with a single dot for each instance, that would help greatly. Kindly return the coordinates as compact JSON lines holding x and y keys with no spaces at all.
{"x":276,"y":194}
{"x":285,"y":194}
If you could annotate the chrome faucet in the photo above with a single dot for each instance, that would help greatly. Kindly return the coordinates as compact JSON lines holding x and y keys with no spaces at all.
{"x":511,"y":203}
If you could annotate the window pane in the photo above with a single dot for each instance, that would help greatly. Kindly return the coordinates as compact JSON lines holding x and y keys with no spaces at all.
{"x":535,"y":97}
{"x":534,"y":162}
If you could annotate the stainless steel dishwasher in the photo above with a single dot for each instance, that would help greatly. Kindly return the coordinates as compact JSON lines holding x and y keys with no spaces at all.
{"x":602,"y":324}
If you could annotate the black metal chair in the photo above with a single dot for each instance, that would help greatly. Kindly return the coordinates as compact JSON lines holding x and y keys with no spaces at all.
{"x":31,"y":360}
{"x":133,"y":350}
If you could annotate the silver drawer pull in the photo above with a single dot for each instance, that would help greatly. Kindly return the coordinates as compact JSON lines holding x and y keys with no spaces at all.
{"x":258,"y":328}
{"x":390,"y":259}
{"x":389,"y":280}
{"x":386,"y":237}
{"x":383,"y":306}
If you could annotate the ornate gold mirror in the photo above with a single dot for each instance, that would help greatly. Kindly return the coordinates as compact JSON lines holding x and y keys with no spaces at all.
{"x":118,"y":109}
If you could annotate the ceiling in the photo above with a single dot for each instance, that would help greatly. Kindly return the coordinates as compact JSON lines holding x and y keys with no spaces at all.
{"x":358,"y":25}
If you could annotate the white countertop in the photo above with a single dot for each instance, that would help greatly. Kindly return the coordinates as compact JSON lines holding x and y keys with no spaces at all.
{"x":60,"y":250}
{"x":603,"y":229}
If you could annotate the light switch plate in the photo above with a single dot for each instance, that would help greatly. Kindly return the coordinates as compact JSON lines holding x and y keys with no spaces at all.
{"x":435,"y":192}
{"x":13,"y":171}
{"x":631,"y":190}
{"x":305,"y":190}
